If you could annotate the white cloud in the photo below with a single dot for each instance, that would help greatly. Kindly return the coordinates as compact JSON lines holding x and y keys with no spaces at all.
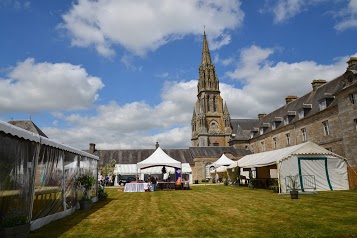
{"x":266,"y":84}
{"x":33,"y":87}
{"x":142,"y":26}
{"x":347,"y":16}
{"x":136,"y":124}
{"x":284,"y":10}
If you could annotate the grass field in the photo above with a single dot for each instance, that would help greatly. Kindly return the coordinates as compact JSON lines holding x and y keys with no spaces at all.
{"x":212,"y":211}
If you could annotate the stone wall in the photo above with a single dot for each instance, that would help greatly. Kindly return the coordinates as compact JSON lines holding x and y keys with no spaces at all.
{"x":314,"y":129}
{"x":347,"y":115}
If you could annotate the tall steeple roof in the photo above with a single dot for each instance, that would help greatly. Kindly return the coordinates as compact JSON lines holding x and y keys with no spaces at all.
{"x":206,"y":56}
{"x":208,"y":80}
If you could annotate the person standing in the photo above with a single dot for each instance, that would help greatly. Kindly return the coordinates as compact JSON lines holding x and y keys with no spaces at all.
{"x":153,"y":183}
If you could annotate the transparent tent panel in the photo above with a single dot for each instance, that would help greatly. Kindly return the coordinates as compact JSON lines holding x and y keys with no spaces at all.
{"x":17,"y":163}
{"x":38,"y":180}
{"x":48,"y":198}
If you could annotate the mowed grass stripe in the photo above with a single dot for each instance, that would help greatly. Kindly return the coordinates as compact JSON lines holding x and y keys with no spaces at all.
{"x":212,"y":211}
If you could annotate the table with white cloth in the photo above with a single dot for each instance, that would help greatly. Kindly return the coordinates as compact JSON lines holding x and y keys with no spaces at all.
{"x":136,"y":187}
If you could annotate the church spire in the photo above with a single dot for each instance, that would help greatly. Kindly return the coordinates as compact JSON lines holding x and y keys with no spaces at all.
{"x":206,"y":56}
{"x":208,"y":80}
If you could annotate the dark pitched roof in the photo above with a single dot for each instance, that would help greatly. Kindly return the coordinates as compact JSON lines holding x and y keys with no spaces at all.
{"x":29,"y":126}
{"x":309,"y":101}
{"x":133,"y":156}
{"x":241,"y":128}
{"x":216,"y":151}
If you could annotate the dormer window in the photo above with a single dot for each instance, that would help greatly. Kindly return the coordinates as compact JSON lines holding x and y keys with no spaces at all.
{"x":253,"y":132}
{"x":276,"y":122}
{"x":261,"y":130}
{"x":286,"y":120}
{"x":301,"y":113}
{"x":322,"y":105}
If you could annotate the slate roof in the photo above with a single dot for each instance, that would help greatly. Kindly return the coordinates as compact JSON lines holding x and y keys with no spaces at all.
{"x":29,"y":126}
{"x":241,"y":128}
{"x":133,"y":156}
{"x":309,"y":101}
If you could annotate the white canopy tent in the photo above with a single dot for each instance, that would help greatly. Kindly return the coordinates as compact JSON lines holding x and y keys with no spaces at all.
{"x":308,"y":159}
{"x":125,"y":169}
{"x":131,"y":169}
{"x":159,"y":158}
{"x":223,"y":160}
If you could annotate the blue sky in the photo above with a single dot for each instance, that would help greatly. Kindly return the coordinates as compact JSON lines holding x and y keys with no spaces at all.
{"x":123,"y":73}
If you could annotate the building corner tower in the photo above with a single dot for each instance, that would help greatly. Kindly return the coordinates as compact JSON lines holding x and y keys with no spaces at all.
{"x":211,"y":119}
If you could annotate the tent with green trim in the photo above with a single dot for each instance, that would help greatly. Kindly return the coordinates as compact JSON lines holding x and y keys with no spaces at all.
{"x":315,"y":167}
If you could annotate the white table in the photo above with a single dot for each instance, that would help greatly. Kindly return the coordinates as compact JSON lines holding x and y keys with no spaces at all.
{"x":136,"y":187}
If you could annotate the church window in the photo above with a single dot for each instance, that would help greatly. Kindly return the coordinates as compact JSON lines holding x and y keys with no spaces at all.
{"x":355,"y":121}
{"x":214,"y":104}
{"x":326,"y":128}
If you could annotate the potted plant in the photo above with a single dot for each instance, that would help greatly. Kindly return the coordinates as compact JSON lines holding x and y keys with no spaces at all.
{"x":14,"y":224}
{"x":293,"y":185}
{"x":102,"y":195}
{"x":86,"y":182}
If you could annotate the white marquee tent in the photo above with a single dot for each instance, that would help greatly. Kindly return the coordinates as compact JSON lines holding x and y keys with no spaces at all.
{"x":223,"y":160}
{"x":305,"y":160}
{"x":159,"y":158}
{"x":131,"y":169}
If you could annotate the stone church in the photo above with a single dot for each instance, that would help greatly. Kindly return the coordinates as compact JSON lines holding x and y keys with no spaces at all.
{"x":327,"y":116}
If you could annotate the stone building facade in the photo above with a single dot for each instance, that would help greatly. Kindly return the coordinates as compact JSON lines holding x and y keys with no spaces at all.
{"x":326,"y":116}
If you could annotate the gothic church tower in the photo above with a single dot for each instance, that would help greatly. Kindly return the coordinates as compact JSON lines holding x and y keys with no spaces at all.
{"x":210,"y":120}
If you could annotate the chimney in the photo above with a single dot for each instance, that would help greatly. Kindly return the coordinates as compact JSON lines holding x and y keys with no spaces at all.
{"x":261,"y":115}
{"x":157,"y":145}
{"x":91,"y":148}
{"x":289,"y":99}
{"x":352,"y":63}
{"x":317,"y":83}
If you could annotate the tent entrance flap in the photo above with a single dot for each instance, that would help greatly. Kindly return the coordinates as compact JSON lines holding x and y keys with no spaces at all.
{"x":315,"y":167}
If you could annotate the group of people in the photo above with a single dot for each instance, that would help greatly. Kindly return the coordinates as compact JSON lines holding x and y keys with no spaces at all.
{"x":107,"y":180}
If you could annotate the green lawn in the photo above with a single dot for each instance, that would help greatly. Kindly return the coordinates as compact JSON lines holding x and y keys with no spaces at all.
{"x":212,"y":211}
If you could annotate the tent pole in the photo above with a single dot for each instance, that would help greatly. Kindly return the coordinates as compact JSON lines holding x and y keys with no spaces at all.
{"x":277,"y":165}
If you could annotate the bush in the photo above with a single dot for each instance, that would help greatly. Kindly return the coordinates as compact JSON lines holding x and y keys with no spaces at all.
{"x":86,"y":182}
